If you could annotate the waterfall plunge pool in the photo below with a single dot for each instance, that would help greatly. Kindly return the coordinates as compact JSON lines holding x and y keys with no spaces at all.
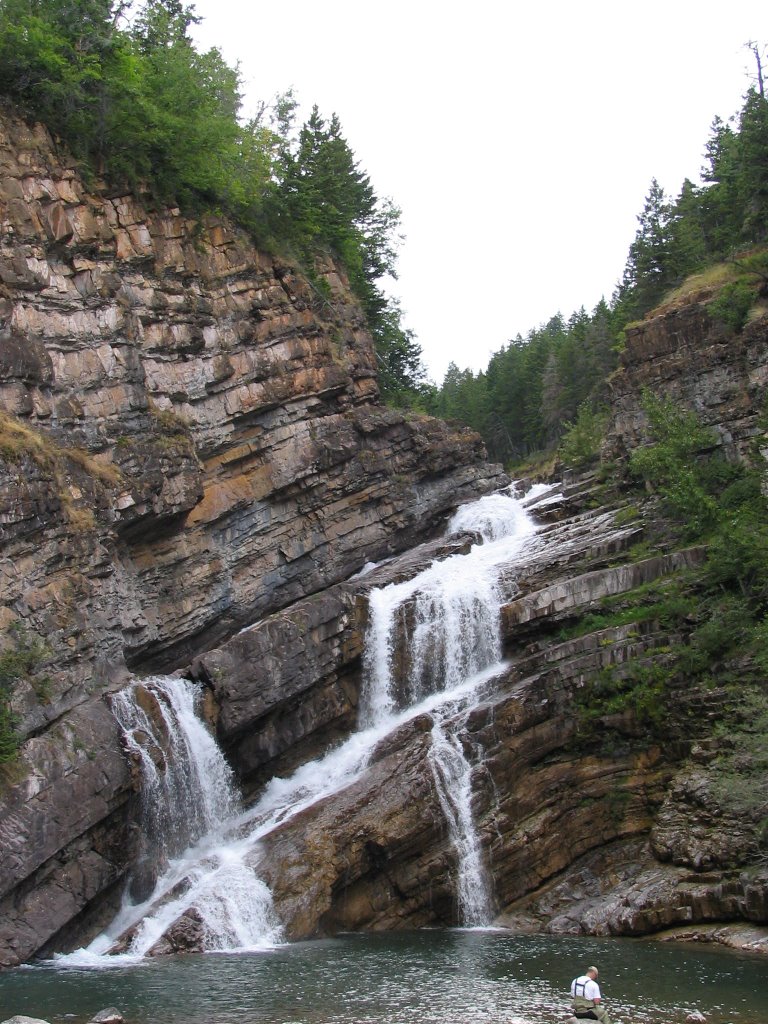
{"x":435,"y":976}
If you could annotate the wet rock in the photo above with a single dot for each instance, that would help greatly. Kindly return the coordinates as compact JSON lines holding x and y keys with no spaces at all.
{"x":187,"y":935}
{"x":20,"y":1019}
{"x":108,"y":1016}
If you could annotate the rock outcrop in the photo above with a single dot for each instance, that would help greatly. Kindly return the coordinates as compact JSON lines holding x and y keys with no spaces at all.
{"x":684,"y":355}
{"x":190,"y":439}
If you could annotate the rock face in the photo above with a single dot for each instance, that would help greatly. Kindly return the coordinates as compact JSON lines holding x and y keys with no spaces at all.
{"x":190,"y":439}
{"x":611,"y":833}
{"x":683,"y":355}
{"x":194,"y":468}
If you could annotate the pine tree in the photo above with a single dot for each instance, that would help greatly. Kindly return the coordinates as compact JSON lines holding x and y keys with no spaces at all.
{"x":687,"y":238}
{"x":648,"y":272}
{"x":720,"y":204}
{"x":753,"y":167}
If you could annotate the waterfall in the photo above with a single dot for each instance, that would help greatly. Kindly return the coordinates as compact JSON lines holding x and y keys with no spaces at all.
{"x":187,"y":786}
{"x":450,"y":612}
{"x":440,"y":633}
{"x":432,"y":644}
{"x":188,"y":806}
{"x":453,"y":780}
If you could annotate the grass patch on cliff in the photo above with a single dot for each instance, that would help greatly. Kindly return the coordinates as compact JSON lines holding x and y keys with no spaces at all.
{"x":168,"y":421}
{"x":731,"y":289}
{"x":700,"y":285}
{"x":19,"y":441}
{"x":666,"y":601}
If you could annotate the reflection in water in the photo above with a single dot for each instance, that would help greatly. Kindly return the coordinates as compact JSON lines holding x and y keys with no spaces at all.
{"x":428,"y":977}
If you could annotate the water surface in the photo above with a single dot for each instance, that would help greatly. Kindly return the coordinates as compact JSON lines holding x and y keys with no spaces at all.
{"x":427,"y":977}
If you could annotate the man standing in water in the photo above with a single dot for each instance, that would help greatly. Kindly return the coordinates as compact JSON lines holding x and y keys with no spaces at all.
{"x":587,"y":999}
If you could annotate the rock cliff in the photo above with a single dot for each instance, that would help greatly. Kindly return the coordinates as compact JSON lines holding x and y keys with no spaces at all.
{"x":190,"y":439}
{"x":194,"y":467}
{"x":683,"y":354}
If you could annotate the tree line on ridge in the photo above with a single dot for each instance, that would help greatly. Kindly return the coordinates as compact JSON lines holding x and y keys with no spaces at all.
{"x":538,"y":386}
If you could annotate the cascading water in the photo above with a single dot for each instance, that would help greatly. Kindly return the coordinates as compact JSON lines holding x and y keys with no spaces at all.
{"x":188,"y":804}
{"x":453,"y":779}
{"x":187,"y":786}
{"x":451,"y":614}
{"x":450,"y":611}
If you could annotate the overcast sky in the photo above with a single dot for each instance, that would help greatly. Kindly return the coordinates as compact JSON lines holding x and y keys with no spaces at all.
{"x":518,"y":138}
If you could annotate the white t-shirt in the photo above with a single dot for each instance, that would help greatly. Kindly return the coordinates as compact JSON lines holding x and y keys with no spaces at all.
{"x":586,"y":987}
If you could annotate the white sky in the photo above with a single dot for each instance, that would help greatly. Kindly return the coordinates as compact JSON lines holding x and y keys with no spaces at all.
{"x":518,"y":138}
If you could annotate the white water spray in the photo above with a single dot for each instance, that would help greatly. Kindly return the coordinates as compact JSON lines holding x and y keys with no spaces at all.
{"x":188,"y":804}
{"x":187,"y":786}
{"x":451,"y":612}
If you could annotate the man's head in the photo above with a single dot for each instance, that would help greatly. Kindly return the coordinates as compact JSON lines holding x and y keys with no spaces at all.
{"x":592,"y":972}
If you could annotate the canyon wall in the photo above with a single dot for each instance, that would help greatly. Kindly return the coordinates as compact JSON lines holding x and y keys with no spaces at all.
{"x":195,"y":465}
{"x":191,"y":438}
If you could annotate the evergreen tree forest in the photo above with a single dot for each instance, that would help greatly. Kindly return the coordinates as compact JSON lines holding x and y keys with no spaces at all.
{"x":122,"y":86}
{"x":540,"y":388}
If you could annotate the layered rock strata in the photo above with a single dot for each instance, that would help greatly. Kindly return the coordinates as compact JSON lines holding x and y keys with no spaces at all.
{"x":684,"y":355}
{"x":599,"y":833}
{"x":193,"y":465}
{"x":190,"y":439}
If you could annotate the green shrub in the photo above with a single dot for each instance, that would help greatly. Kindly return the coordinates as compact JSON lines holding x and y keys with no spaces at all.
{"x":671,"y":464}
{"x":732,"y":305}
{"x":19,"y":661}
{"x":582,"y":439}
{"x":640,"y":689}
{"x":9,"y":740}
{"x":738,"y":555}
{"x":741,"y":780}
